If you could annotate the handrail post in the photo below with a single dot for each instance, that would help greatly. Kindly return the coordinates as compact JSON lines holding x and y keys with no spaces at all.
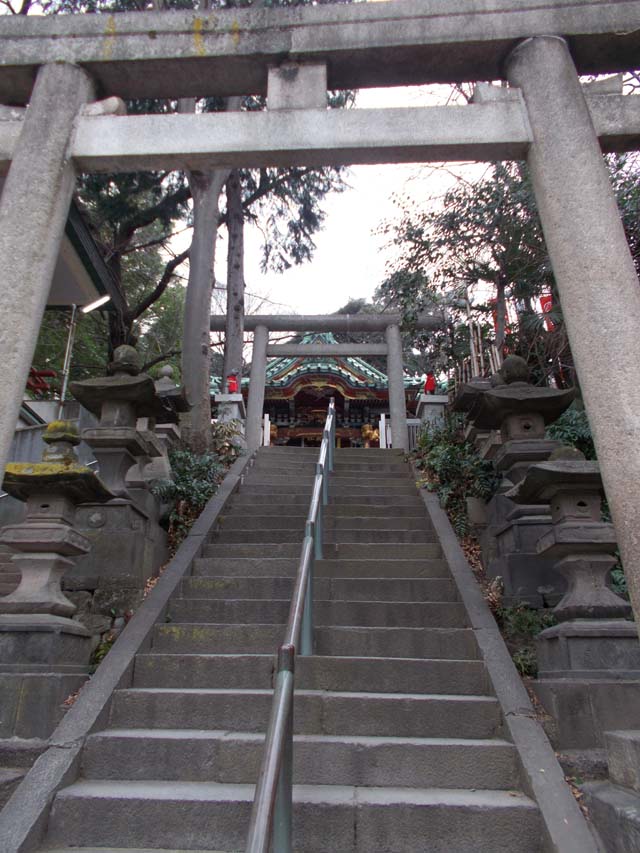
{"x":306,"y":629}
{"x":320,"y":470}
{"x":282,"y":815}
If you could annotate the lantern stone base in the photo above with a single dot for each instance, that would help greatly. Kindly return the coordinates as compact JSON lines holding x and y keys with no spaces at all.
{"x":125,"y":543}
{"x":583,"y":709}
{"x":41,"y":640}
{"x":32,"y":707}
{"x":509,"y":551}
{"x":589,"y":648}
{"x":589,"y":680}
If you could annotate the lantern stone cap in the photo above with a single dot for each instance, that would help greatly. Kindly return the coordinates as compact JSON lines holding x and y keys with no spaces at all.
{"x":174,"y":396}
{"x":545,"y":479}
{"x":519,"y":398}
{"x":467,"y":393}
{"x":74,"y":481}
{"x":125,"y":388}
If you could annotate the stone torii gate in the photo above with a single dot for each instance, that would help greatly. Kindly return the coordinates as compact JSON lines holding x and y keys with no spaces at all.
{"x":293,"y":55}
{"x":261,"y":325}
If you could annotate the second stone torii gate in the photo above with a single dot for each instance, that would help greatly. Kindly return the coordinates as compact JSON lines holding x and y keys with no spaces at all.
{"x":261,"y":325}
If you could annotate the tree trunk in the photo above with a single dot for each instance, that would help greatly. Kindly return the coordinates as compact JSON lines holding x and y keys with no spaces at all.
{"x":234,"y":332}
{"x":500,"y":313}
{"x":196,"y":350}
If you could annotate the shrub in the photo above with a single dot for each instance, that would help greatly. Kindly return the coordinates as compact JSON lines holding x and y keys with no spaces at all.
{"x":572,"y":427}
{"x":196,"y":478}
{"x":454,"y":470}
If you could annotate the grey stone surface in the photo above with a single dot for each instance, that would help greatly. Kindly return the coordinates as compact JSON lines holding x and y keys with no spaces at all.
{"x":589,"y":648}
{"x":32,"y":703}
{"x":563,"y":826}
{"x":402,"y":43}
{"x":255,"y":403}
{"x":23,"y":820}
{"x":33,"y":211}
{"x":584,"y":709}
{"x":397,"y":402}
{"x":293,"y":86}
{"x":623,"y":756}
{"x":39,"y":638}
{"x":324,"y":323}
{"x":592,"y":263}
{"x":616,"y":814}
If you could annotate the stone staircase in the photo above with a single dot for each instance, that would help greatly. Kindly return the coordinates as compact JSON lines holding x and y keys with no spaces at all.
{"x":400,"y":744}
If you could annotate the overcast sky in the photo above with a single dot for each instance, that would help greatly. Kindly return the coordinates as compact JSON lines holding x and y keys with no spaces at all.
{"x":350,"y":258}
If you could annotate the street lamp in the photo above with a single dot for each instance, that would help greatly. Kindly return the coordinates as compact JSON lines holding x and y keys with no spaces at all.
{"x":66,"y":367}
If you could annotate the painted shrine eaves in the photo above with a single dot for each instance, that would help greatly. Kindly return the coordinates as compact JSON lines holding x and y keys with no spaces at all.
{"x":356,"y":371}
{"x":178,"y":54}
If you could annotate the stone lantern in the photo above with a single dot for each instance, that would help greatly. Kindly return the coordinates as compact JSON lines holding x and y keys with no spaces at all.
{"x":119,"y":400}
{"x":127,"y":540}
{"x":589,"y":663}
{"x":168,"y":431}
{"x":520,"y":411}
{"x":36,"y":626}
{"x":485,"y":441}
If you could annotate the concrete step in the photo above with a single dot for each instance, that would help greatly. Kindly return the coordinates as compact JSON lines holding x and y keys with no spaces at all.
{"x":339,"y":589}
{"x":267,"y":486}
{"x":332,"y":536}
{"x":221,"y":756}
{"x":387,"y":614}
{"x":393,"y":482}
{"x":326,"y":818}
{"x":335,"y":551}
{"x":316,"y":672}
{"x":245,"y":497}
{"x":127,"y":850}
{"x":295,"y":520}
{"x":245,"y":506}
{"x":255,"y":566}
{"x":331,"y":713}
{"x":348,"y":469}
{"x":353,"y":641}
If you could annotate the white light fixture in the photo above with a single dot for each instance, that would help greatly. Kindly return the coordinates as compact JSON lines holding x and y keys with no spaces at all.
{"x":95,"y":304}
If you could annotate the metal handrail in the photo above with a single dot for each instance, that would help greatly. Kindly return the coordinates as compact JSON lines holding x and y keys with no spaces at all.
{"x":270,"y":827}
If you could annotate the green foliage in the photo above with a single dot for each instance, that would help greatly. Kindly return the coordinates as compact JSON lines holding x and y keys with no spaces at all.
{"x":454,"y":470}
{"x":225,"y":443}
{"x":618,"y":581}
{"x":485,"y":235}
{"x":520,"y":625}
{"x":196,"y":478}
{"x":572,"y":428}
{"x":102,"y":650}
{"x":89,"y":351}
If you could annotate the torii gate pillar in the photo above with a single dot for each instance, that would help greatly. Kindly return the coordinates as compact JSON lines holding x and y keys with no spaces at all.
{"x":594,"y":271}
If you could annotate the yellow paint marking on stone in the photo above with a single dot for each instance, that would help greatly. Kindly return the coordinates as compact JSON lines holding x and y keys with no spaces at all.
{"x":198,"y":40}
{"x":110,"y":37}
{"x":235,"y":33}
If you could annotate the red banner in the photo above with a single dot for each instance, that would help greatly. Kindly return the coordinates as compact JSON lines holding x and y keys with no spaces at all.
{"x":546,"y":303}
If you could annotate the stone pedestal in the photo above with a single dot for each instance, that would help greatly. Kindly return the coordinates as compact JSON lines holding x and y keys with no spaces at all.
{"x":589,"y":648}
{"x":431,"y":408}
{"x":527,"y":577}
{"x":125,"y":543}
{"x":230,"y":407}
